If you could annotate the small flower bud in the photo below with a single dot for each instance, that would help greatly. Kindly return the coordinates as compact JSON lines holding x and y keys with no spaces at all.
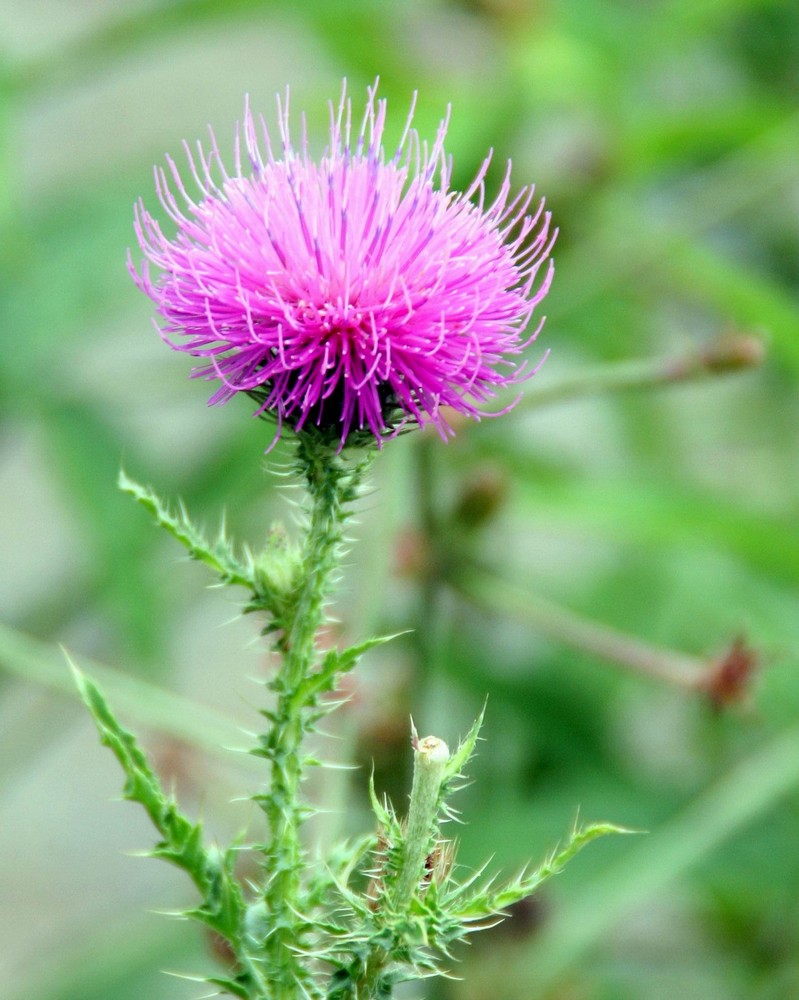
{"x":431,"y":751}
{"x":277,"y":568}
{"x":256,"y":922}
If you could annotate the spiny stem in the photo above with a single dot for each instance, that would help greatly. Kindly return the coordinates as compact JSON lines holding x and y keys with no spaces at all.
{"x":429,"y":765}
{"x":430,"y":759}
{"x":332,"y":484}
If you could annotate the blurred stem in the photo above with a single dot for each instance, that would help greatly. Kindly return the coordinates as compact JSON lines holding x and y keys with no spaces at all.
{"x":555,"y":622}
{"x":731,"y":353}
{"x":428,"y":633}
{"x":748,"y":791}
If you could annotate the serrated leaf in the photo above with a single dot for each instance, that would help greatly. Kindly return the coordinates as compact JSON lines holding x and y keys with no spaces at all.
{"x":487,"y":900}
{"x":218,"y":555}
{"x":460,"y":758}
{"x":182,"y":841}
{"x":336,"y":662}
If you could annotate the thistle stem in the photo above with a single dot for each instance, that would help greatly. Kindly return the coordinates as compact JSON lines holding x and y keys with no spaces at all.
{"x":429,"y":765}
{"x":430,"y":758}
{"x":331,"y":485}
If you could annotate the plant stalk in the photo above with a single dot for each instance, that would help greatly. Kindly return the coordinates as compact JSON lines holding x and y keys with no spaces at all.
{"x":331,"y":485}
{"x":728,"y":354}
{"x":429,"y":765}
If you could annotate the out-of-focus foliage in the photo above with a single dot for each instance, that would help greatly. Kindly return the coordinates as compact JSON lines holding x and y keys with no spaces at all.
{"x":664,"y":137}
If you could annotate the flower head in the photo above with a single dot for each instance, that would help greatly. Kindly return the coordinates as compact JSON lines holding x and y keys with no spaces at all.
{"x":355,"y":292}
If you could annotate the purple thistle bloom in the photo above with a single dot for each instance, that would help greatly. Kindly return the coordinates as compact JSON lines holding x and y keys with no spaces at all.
{"x":354,"y":293}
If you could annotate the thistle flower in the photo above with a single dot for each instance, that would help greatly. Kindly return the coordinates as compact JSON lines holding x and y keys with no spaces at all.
{"x":355,"y":293}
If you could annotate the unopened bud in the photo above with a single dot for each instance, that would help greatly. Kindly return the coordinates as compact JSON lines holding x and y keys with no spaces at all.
{"x":277,"y":567}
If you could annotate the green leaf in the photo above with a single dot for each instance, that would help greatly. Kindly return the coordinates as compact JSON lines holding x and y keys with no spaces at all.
{"x":218,"y":555}
{"x":384,"y":813}
{"x":336,"y":662}
{"x":182,"y":842}
{"x":487,"y":901}
{"x":460,"y":758}
{"x":230,"y":985}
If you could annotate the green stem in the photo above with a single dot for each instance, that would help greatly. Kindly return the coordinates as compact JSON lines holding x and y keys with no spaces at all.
{"x":429,"y":765}
{"x":332,"y":484}
{"x":430,"y":758}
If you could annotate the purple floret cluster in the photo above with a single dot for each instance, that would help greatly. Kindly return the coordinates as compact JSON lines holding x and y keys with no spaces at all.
{"x":355,"y":292}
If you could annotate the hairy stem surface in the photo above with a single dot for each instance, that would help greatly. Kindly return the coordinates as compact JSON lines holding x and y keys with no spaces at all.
{"x":332,"y":484}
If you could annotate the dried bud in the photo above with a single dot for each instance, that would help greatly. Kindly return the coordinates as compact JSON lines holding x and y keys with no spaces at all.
{"x":734,"y":351}
{"x":730,"y":677}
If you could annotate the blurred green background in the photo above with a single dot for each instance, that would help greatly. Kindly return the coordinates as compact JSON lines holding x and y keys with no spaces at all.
{"x":665,"y":138}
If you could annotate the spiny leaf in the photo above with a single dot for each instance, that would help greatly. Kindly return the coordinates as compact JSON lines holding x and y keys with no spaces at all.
{"x":218,"y":555}
{"x":386,"y":817}
{"x":460,"y":758}
{"x":236,"y":987}
{"x":142,"y":784}
{"x":347,"y":658}
{"x":231,"y":986}
{"x":182,"y":841}
{"x":487,"y":900}
{"x":336,"y":662}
